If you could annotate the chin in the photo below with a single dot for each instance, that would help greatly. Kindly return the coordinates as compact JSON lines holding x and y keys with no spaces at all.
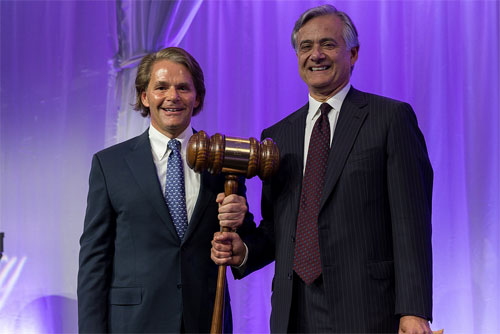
{"x":320,"y":85}
{"x":177,"y":127}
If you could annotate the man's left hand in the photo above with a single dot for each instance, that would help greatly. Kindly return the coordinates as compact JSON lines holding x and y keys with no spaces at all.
{"x":232,"y":210}
{"x":410,"y":324}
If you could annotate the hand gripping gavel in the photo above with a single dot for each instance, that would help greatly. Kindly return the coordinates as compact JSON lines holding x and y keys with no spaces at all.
{"x":233,"y":156}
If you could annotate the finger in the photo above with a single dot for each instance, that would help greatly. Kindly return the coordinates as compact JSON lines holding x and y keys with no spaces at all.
{"x":226,"y":236}
{"x":235,"y":214}
{"x":222,"y":247}
{"x":218,"y":257}
{"x":233,"y":225}
{"x":223,"y":237}
{"x":230,"y":204}
{"x":217,"y":260}
{"x":235,"y":199}
{"x":221,"y":255}
{"x":230,"y":216}
{"x":220,"y":198}
{"x":233,"y":208}
{"x":229,"y":199}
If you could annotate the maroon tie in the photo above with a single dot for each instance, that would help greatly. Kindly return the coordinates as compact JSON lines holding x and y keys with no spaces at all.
{"x":306,"y":262}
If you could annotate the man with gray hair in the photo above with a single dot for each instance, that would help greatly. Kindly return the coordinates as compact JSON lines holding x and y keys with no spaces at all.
{"x":348,"y":218}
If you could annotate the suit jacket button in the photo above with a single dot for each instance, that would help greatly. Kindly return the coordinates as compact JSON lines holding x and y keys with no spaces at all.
{"x":179,"y":286}
{"x":293,"y":238}
{"x":290,"y":276}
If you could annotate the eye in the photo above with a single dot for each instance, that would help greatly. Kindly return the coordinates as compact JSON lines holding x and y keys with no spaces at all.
{"x":328,"y":45}
{"x":160,"y":88}
{"x":183,"y":88}
{"x":305,"y":47}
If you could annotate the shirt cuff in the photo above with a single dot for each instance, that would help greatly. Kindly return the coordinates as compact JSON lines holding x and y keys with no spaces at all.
{"x":242,"y":265}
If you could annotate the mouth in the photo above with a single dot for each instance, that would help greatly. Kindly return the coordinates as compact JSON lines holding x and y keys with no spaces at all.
{"x":319,"y":68}
{"x":171,"y":109}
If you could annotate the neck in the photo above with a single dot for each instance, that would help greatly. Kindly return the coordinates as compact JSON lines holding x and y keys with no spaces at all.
{"x":325,"y":94}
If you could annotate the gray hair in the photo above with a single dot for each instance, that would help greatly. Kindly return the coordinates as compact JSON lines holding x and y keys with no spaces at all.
{"x":349,"y":33}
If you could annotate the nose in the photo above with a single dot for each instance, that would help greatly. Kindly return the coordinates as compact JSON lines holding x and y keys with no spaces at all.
{"x":317,"y":53}
{"x":172,"y":94}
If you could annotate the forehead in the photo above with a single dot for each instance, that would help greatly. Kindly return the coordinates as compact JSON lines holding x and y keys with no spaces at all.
{"x":325,"y":26}
{"x":167,"y":70}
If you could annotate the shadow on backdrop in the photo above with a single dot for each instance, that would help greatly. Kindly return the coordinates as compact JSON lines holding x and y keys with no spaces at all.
{"x":48,"y":314}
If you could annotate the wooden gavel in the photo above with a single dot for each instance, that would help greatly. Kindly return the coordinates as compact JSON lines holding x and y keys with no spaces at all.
{"x":233,"y":156}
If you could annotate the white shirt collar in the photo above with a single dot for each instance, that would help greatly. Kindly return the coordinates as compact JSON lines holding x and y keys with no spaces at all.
{"x":335,"y":101}
{"x":159,"y":141}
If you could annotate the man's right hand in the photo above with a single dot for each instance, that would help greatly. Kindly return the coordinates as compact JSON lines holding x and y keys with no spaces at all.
{"x":227,"y":249}
{"x":232,"y":210}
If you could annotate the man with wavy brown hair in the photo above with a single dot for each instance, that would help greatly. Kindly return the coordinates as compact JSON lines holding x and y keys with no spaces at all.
{"x":145,"y":250}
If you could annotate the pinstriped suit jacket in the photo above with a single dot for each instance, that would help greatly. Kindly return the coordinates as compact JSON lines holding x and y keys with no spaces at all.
{"x":374,"y":220}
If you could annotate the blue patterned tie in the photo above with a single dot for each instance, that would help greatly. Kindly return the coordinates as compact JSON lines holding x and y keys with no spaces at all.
{"x":175,"y":193}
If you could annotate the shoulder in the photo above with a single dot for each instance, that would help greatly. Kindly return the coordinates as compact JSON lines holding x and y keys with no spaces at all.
{"x":372,"y":100}
{"x":379,"y":107}
{"x":283,"y":124}
{"x":123,"y":147}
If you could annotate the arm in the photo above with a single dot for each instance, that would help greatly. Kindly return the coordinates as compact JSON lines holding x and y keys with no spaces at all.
{"x":96,"y":255}
{"x":233,"y":248}
{"x":227,"y":247}
{"x":260,"y":242}
{"x":409,"y":177}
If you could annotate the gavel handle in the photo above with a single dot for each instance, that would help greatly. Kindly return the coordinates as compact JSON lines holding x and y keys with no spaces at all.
{"x":230,"y":187}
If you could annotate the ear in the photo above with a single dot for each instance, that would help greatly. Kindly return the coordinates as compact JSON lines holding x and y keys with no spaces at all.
{"x":197,"y":102}
{"x":144,"y":99}
{"x":354,"y":55}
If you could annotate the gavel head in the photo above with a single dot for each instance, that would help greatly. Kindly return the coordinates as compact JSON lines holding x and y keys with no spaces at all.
{"x":232,"y":155}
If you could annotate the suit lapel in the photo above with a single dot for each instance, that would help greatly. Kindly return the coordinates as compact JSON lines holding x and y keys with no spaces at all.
{"x":352,"y":116}
{"x":140,"y":162}
{"x":297,"y":133}
{"x":294,"y":135}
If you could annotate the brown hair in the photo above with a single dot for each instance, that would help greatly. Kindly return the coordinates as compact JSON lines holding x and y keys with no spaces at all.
{"x":177,"y":55}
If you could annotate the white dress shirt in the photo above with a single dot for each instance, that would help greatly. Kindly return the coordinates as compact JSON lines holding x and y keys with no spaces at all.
{"x":161,"y":152}
{"x":312,"y":115}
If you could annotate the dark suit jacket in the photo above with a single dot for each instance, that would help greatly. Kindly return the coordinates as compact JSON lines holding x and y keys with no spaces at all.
{"x":135,"y":274}
{"x":374,"y":220}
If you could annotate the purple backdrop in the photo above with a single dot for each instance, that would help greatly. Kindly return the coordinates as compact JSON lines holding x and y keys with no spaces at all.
{"x":440,"y":56}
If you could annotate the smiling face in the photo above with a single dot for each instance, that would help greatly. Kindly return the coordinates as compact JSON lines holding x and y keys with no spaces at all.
{"x":324,"y":61}
{"x":170,"y":97}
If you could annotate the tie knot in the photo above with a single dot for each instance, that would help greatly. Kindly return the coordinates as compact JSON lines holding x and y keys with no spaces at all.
{"x":174,"y":145}
{"x":325,"y":108}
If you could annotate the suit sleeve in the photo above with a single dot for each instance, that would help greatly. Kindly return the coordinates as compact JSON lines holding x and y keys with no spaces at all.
{"x":96,"y":255}
{"x":410,"y":177}
{"x":260,"y":241}
{"x":248,"y":226}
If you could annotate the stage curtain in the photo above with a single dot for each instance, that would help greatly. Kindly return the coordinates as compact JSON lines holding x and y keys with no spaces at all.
{"x":67,"y":70}
{"x":141,"y":27}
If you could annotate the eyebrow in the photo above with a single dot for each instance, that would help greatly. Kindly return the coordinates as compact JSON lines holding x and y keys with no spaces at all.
{"x":164,"y":83}
{"x":326,"y":39}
